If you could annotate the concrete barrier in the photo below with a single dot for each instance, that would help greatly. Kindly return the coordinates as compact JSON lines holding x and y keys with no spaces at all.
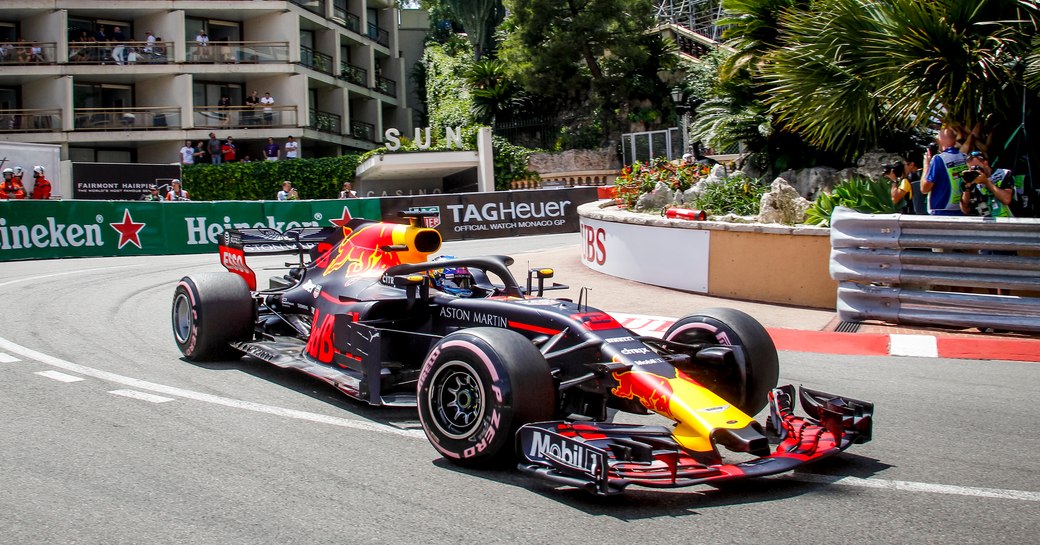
{"x":756,"y":262}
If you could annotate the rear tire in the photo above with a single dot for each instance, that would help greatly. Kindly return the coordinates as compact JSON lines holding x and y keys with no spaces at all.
{"x":747,"y":387}
{"x":211,"y":310}
{"x":476,"y":388}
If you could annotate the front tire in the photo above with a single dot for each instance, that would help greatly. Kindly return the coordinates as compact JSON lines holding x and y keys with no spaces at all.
{"x":476,"y":388}
{"x":746,"y":386}
{"x":210,"y":311}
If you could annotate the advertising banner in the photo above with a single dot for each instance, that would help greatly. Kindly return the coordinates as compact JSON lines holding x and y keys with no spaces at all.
{"x":120,"y":181}
{"x":54,"y":229}
{"x":674,"y":258}
{"x":463,"y":216}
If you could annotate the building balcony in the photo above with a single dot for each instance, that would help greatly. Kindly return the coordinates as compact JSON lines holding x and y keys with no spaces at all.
{"x":124,"y":53}
{"x":363,"y":131}
{"x":325,"y":122}
{"x":244,"y":117}
{"x":30,"y":121}
{"x":313,"y":6}
{"x":315,"y":60}
{"x":349,"y":20}
{"x":26,"y":53}
{"x":237,"y":52}
{"x":378,"y":35}
{"x":386,"y":86}
{"x":353,"y":74}
{"x":122,"y":119}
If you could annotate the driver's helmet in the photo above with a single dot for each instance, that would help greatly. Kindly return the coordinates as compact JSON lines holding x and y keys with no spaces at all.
{"x":452,"y":280}
{"x":8,"y":173}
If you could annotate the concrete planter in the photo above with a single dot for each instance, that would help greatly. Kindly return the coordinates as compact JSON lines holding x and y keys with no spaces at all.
{"x":756,"y":262}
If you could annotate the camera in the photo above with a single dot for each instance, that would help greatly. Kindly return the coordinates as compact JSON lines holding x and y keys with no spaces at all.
{"x":970,"y":175}
{"x":933,"y":149}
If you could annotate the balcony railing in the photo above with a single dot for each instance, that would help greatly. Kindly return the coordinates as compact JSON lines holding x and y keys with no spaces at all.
{"x":30,"y":120}
{"x":143,"y":118}
{"x":347,"y":19}
{"x":353,"y":74}
{"x":316,"y":6}
{"x":325,"y":122}
{"x":238,"y":117}
{"x":386,"y":86}
{"x":123,"y":53}
{"x":315,"y":60}
{"x":380,"y":36}
{"x":363,"y":131}
{"x":237,"y":52}
{"x":28,"y":53}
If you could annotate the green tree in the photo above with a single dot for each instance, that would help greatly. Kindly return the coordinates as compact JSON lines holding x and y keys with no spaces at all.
{"x":592,"y":56}
{"x":851,"y":70}
{"x":493,"y":91}
{"x":479,"y":18}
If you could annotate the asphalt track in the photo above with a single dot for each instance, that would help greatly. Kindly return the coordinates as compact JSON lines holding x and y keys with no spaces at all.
{"x":108,"y":436}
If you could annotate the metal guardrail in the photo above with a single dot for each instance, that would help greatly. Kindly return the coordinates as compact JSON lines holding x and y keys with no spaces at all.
{"x":353,"y":74}
{"x":28,"y":53}
{"x":889,"y":265}
{"x":315,"y":60}
{"x":120,"y":53}
{"x":386,"y":86}
{"x":236,"y":52}
{"x":363,"y":131}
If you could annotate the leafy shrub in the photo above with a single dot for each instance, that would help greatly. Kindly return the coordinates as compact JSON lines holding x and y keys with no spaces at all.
{"x":511,"y":163}
{"x":738,"y":195}
{"x":639,"y":178}
{"x":859,"y":194}
{"x":313,"y":178}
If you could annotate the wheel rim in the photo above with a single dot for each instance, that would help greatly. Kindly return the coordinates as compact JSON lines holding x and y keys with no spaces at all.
{"x":182,"y":317}
{"x":456,"y":400}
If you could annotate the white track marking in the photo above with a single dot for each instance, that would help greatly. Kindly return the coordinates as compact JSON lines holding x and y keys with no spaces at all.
{"x":144,"y":396}
{"x":205,"y":398}
{"x":924,"y":346}
{"x":59,"y":376}
{"x":7,"y":358}
{"x":911,"y":486}
{"x":66,"y":273}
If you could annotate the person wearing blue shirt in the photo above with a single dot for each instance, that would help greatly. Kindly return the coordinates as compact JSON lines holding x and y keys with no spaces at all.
{"x":943,"y":169}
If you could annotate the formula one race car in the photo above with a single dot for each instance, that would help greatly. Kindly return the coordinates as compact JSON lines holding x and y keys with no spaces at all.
{"x":499,"y":372}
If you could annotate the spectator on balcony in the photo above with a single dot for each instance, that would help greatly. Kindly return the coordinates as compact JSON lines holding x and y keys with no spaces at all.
{"x":268,"y":103}
{"x":149,"y":42}
{"x":224,"y":105}
{"x":201,"y":46}
{"x":227,"y":53}
{"x":100,"y":34}
{"x":6,"y":52}
{"x":348,"y":191}
{"x":23,"y":51}
{"x":187,"y":153}
{"x":271,"y":150}
{"x":252,"y":103}
{"x":229,"y":151}
{"x":292,"y":148}
{"x":120,"y":53}
{"x":36,"y":54}
{"x":214,"y":147}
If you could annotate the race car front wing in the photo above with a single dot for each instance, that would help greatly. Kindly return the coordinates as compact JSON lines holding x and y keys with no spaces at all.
{"x":604,"y":458}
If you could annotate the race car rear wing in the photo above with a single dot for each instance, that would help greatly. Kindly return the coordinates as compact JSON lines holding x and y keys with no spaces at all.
{"x":236,"y":244}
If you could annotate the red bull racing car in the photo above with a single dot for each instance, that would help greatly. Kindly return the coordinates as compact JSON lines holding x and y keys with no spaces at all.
{"x":501,"y":373}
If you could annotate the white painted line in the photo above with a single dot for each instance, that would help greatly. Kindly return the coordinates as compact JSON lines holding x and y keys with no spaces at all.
{"x":205,"y":398}
{"x":923,"y":346}
{"x":651,"y":326}
{"x":59,"y":376}
{"x":144,"y":396}
{"x":7,"y":358}
{"x":67,"y":273}
{"x":911,"y":486}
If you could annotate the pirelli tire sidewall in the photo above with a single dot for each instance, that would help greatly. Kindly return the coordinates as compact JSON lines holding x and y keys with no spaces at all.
{"x":509,"y":376}
{"x":211,"y":310}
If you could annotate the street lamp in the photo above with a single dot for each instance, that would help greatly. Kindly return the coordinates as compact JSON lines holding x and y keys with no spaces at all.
{"x":683,"y":109}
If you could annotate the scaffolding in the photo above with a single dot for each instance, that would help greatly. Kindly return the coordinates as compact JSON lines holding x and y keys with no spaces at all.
{"x":700,"y":16}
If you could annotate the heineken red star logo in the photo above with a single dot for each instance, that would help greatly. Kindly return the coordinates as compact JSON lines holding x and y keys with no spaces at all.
{"x":342,"y":220}
{"x":128,"y":230}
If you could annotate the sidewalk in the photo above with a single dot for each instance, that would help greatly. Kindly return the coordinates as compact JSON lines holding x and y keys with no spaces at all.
{"x":651,"y":309}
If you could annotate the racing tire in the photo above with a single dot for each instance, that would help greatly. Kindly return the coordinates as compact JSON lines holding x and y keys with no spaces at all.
{"x":211,"y":310}
{"x":748,"y":385}
{"x":476,"y":388}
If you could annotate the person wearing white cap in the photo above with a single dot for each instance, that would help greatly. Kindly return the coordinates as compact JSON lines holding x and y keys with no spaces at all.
{"x":177,"y":194}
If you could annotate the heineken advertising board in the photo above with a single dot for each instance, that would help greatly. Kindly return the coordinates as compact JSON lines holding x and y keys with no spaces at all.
{"x":462,"y":216}
{"x":52,"y":229}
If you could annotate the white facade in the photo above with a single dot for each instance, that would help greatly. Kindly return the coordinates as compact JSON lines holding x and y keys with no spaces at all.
{"x":335,"y":69}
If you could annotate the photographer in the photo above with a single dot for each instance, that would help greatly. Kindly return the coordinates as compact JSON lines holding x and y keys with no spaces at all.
{"x":901,"y":188}
{"x":985,"y":191}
